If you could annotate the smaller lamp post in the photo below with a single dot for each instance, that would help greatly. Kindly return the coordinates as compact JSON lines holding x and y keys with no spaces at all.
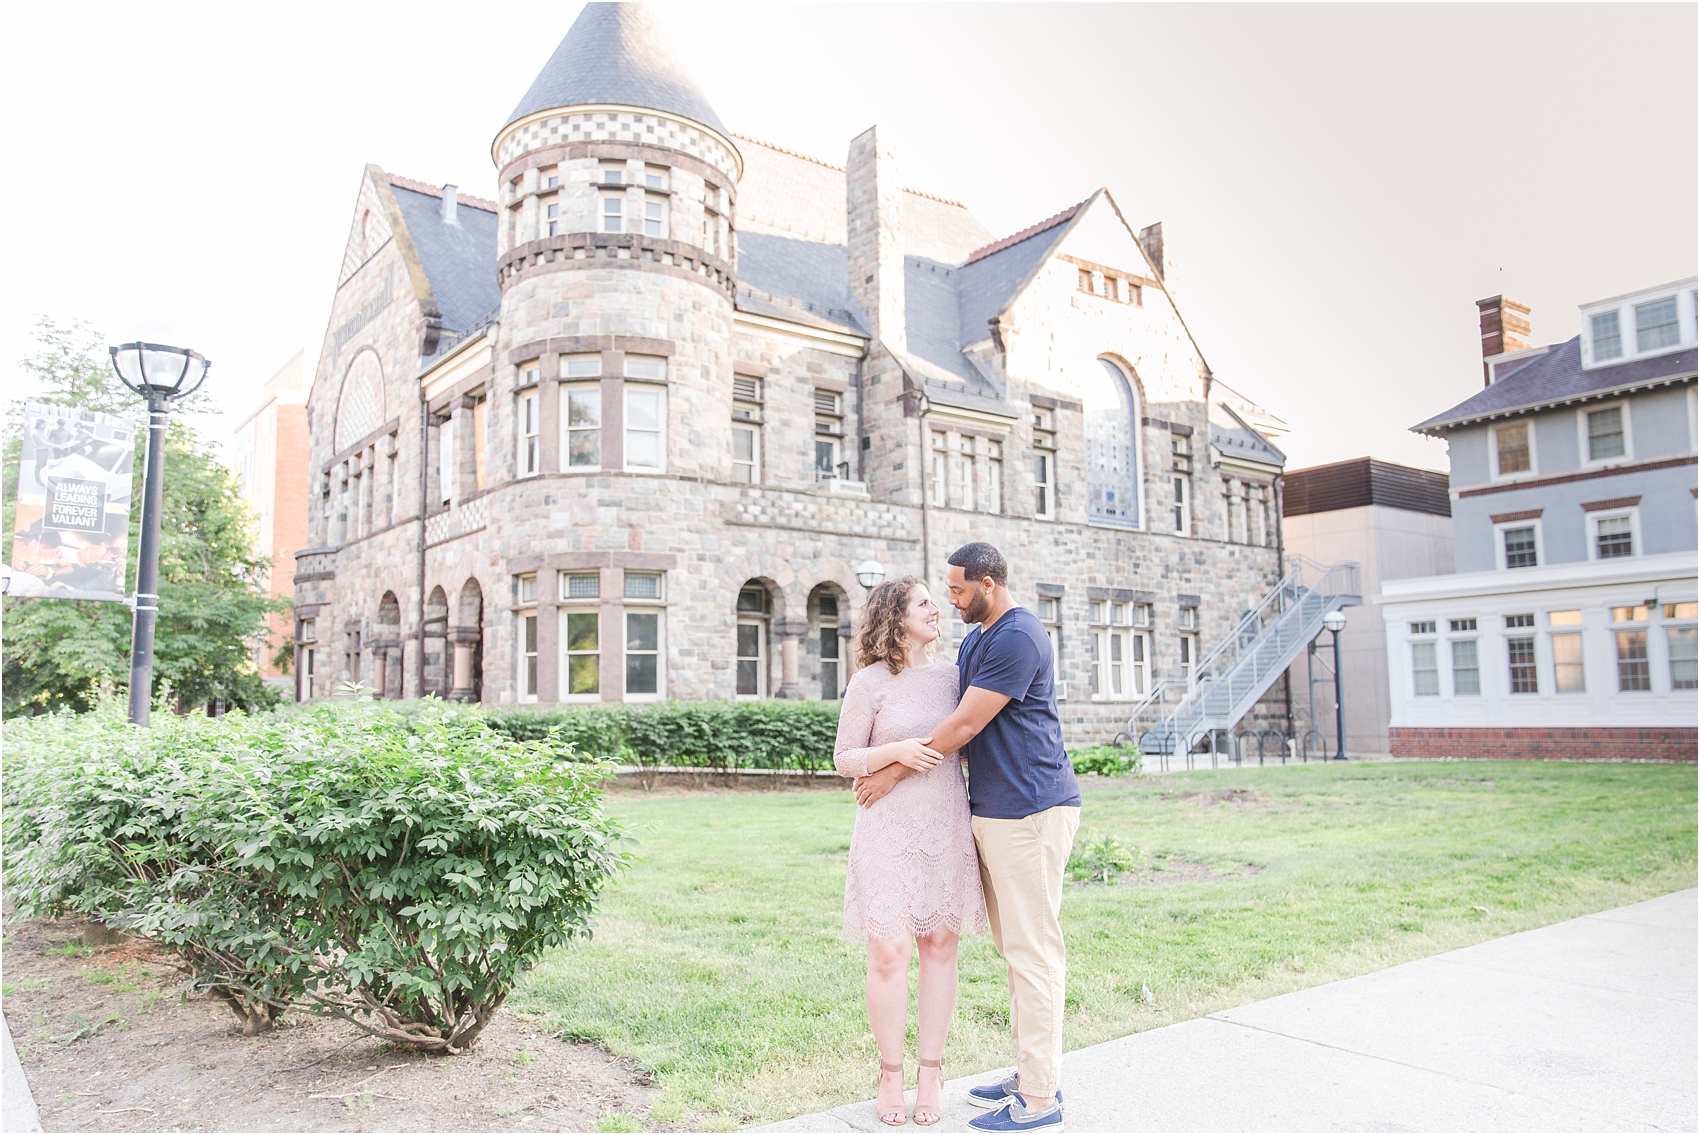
{"x":870,"y":574}
{"x":1335,"y":621}
{"x":162,"y":375}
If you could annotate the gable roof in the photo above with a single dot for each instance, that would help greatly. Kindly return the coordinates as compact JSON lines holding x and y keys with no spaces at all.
{"x":617,"y":54}
{"x":1232,"y":437}
{"x":1557,"y":377}
{"x":991,"y":276}
{"x":459,"y":260}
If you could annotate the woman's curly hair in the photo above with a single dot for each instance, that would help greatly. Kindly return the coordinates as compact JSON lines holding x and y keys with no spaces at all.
{"x":882,"y":638}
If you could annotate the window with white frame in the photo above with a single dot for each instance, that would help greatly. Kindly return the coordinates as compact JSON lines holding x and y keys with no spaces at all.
{"x":746,"y":454}
{"x":529,"y":421}
{"x":1629,"y":633}
{"x":1466,"y":658}
{"x":447,"y":463}
{"x":826,"y":630}
{"x":994,"y":476}
{"x":644,"y":626}
{"x":1044,"y":464}
{"x":1613,"y":534}
{"x":1189,"y":644}
{"x":1425,"y":671}
{"x":581,"y":649}
{"x":1519,"y":545}
{"x":1607,"y":440}
{"x":1607,"y":338}
{"x":1512,"y":451}
{"x":713,"y":223}
{"x":646,"y":418}
{"x":587,"y":365}
{"x":613,"y":212}
{"x":751,"y":644}
{"x":654,"y":214}
{"x":1520,"y":655}
{"x":525,"y":593}
{"x":1050,"y":617}
{"x":1680,"y":644}
{"x":938,"y":490}
{"x":962,"y":470}
{"x":549,"y":215}
{"x":829,"y":433}
{"x":1656,"y":325}
{"x":613,"y":172}
{"x":655,"y":177}
{"x":1182,"y":505}
{"x":1117,"y":653}
{"x":652,"y":368}
{"x":581,"y":425}
{"x":1568,"y":673}
{"x":549,"y":177}
{"x":746,"y":389}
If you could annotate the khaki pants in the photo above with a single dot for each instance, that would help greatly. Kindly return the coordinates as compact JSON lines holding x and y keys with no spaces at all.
{"x":1021,"y":868}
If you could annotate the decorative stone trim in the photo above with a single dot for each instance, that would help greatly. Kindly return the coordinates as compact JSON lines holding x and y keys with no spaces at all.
{"x":586,"y":344}
{"x":615,"y":250}
{"x":1615,"y":502}
{"x":555,"y":155}
{"x":1509,"y":517}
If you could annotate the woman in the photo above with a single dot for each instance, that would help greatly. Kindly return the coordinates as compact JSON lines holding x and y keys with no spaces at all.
{"x":913,"y":872}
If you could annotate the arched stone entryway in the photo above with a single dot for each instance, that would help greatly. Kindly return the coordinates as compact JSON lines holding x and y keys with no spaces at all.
{"x":467,"y":637}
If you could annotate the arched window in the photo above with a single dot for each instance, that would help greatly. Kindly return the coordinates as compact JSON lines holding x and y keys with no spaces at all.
{"x":360,"y":406}
{"x":1112,"y":448}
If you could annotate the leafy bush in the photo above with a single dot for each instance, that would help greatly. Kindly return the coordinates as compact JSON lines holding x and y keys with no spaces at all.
{"x":1106,"y":760}
{"x":399,"y":873}
{"x":1099,"y":858}
{"x":796,"y":735}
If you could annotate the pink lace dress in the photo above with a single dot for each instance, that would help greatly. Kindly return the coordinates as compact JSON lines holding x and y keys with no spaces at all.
{"x":913,"y":868}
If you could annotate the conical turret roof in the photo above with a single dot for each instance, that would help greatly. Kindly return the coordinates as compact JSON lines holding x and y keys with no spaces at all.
{"x":617,"y":54}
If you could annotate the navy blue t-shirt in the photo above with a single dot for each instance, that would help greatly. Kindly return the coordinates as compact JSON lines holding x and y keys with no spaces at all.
{"x":1017,"y":765}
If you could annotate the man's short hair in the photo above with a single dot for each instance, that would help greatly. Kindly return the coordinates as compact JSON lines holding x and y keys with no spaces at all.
{"x":980,"y":560}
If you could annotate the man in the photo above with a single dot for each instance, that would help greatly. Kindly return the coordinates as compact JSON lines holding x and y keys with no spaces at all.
{"x":1026,"y":808}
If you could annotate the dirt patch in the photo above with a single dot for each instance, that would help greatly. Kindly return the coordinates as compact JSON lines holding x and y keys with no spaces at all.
{"x":110,"y":1043}
{"x":1169,"y":872}
{"x":1240,"y":796}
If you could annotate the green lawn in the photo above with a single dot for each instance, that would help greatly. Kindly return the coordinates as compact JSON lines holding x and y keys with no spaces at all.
{"x":718,"y":960}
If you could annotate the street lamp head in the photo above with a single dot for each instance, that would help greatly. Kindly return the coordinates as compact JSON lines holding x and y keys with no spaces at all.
{"x":1335,"y":621}
{"x":157,"y":369}
{"x":870,"y":574}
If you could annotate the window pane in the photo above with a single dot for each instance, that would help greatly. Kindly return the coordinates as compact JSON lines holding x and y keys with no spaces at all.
{"x":1607,"y":343}
{"x":643,"y":449}
{"x":748,"y":677}
{"x":1521,"y":653}
{"x":829,"y":642}
{"x":584,"y":448}
{"x":641,"y":585}
{"x":749,"y":640}
{"x":531,"y":634}
{"x":1681,"y":643}
{"x":1425,"y":678}
{"x":743,"y":445}
{"x":1632,"y":670}
{"x":584,"y":674}
{"x":643,"y":410}
{"x":584,"y":586}
{"x":1513,"y":448}
{"x":1466,"y":671}
{"x":643,"y":632}
{"x":1655,"y":325}
{"x":1567,"y":663}
{"x":1564,"y":618}
{"x":640,"y":674}
{"x":1520,"y":547}
{"x":1605,"y":434}
{"x":584,"y":408}
{"x":1615,"y":537}
{"x":581,"y":631}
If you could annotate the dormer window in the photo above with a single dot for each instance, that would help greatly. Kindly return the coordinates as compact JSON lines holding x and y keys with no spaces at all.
{"x":1655,"y":325}
{"x":1608,"y":343}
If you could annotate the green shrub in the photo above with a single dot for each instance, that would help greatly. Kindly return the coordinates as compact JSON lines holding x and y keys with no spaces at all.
{"x":796,"y":735}
{"x":1106,"y":760}
{"x":1099,"y":858}
{"x":398,"y":872}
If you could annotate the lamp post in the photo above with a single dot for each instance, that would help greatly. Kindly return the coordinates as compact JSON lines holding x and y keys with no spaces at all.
{"x":161,"y":375}
{"x":1335,"y":621}
{"x":870,"y":574}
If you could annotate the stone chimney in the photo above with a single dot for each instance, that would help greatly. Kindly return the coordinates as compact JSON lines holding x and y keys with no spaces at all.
{"x":1505,"y":328}
{"x":451,"y":199}
{"x":874,"y":223}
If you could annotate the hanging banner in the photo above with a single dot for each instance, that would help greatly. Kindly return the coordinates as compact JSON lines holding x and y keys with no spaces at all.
{"x":72,"y":533}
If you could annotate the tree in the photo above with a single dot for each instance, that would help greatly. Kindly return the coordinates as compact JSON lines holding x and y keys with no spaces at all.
{"x":59,"y":652}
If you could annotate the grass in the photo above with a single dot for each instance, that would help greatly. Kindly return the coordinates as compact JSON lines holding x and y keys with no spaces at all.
{"x":718,"y":960}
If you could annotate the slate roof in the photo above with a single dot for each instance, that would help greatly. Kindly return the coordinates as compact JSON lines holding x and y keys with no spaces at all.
{"x":797,"y":279}
{"x":618,"y":54}
{"x":989,"y":278}
{"x":459,"y":260}
{"x":1232,"y":437}
{"x":1558,"y":377}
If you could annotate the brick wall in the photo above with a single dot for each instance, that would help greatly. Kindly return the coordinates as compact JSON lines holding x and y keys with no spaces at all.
{"x":1623,"y":743}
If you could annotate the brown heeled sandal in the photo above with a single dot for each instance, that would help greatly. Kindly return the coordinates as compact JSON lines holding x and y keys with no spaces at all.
{"x":891,"y":1117}
{"x":935,"y":1115}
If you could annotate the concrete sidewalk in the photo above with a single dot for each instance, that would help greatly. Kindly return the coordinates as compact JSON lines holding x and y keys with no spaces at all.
{"x":1589,"y":1025}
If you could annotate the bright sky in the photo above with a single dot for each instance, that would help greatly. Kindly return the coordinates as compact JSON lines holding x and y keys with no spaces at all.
{"x":1339,"y":183}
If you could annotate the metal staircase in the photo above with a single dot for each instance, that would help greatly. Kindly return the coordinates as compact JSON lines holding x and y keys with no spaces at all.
{"x":1178,"y":719}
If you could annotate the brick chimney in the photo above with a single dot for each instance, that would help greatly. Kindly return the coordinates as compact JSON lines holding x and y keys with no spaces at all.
{"x":874,"y":224}
{"x":1505,"y":328}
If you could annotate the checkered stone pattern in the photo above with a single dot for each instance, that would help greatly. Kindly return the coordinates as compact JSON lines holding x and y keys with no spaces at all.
{"x":821,"y":512}
{"x":609,"y":126}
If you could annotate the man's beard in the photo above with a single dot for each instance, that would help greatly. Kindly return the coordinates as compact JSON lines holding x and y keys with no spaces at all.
{"x":978,"y":608}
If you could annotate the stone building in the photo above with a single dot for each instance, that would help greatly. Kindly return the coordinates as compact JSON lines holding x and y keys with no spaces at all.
{"x":626,"y":431}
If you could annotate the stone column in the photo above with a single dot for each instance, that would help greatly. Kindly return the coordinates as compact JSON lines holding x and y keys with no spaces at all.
{"x":464,"y":639}
{"x":791,"y":631}
{"x":381,"y":648}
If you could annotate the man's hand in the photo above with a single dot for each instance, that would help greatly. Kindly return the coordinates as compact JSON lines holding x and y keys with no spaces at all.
{"x":875,"y":785}
{"x":914,"y":754}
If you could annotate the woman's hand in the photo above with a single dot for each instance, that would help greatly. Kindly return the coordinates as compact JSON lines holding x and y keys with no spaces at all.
{"x":914,"y":754}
